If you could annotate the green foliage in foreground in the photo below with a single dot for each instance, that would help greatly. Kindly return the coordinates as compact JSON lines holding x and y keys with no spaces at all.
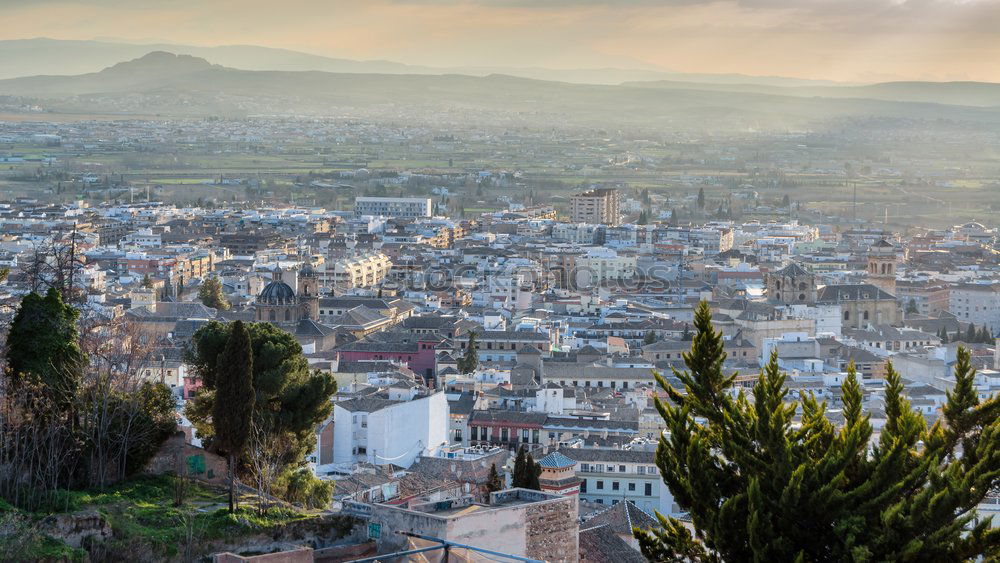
{"x":760,"y":488}
{"x":144,"y":518}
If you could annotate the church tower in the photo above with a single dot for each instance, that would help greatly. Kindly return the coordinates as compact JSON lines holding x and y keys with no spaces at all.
{"x":308,"y":292}
{"x":791,"y":285}
{"x":882,"y":266}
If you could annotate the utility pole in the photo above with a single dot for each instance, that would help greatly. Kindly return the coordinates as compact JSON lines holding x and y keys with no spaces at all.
{"x":855,"y":220}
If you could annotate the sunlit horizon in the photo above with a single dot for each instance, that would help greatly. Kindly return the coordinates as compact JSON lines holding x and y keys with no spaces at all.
{"x":855,"y":41}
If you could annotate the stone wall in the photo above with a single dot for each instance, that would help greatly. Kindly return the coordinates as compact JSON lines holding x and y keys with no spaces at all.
{"x":551,"y":530}
{"x":300,"y":555}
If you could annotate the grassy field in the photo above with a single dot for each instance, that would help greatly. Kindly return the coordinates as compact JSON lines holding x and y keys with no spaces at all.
{"x":144,"y":517}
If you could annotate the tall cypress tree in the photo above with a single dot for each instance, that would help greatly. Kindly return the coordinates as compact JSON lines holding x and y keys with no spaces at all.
{"x":234,"y":400}
{"x":532,"y":470}
{"x":971,"y":334}
{"x":758,"y":487}
{"x":519,"y":478}
{"x":470,"y":360}
{"x":494,"y":483}
{"x":985,"y":336}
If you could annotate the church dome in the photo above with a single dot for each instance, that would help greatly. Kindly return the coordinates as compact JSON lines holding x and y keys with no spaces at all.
{"x":276,"y":292}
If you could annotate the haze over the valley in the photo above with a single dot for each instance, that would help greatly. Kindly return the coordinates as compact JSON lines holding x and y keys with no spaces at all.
{"x":854,"y":41}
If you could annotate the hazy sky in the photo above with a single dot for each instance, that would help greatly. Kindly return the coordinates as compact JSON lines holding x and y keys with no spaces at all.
{"x":862,"y":40}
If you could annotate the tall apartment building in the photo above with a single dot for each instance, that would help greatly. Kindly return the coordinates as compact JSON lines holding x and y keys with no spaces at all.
{"x":363,"y":270}
{"x":599,"y":205}
{"x":394,"y":206}
{"x":978,"y":304}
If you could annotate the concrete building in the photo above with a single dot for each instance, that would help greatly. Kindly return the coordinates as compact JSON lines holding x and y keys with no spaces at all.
{"x":612,"y":476}
{"x":978,"y":304}
{"x":364,"y":270}
{"x":519,"y":522}
{"x":413,"y":207}
{"x":600,"y":265}
{"x":599,"y":206}
{"x":379,"y":430}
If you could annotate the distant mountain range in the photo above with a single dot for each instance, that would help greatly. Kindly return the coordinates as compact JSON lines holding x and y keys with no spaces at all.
{"x":171,"y":84}
{"x":29,"y":57}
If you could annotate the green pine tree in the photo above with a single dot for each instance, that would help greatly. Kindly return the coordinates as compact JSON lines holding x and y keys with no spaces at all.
{"x":911,"y":307}
{"x":943,"y":335}
{"x":648,"y":338}
{"x":292,"y":400}
{"x":234,"y":400}
{"x":470,"y":359}
{"x":43,"y":346}
{"x":147,"y":282}
{"x":494,"y":483}
{"x":211,"y":295}
{"x":759,"y":487}
{"x":971,"y":334}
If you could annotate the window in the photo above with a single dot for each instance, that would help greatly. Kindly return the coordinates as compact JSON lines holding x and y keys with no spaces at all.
{"x":600,"y":468}
{"x":621,"y":469}
{"x":535,"y":436}
{"x":631,"y":487}
{"x":458,"y":434}
{"x":525,"y":435}
{"x":583,"y":486}
{"x":847,"y":315}
{"x":641,"y":470}
{"x":615,"y":485}
{"x":649,"y":490}
{"x":504,"y":435}
{"x":866,"y":315}
{"x":600,"y":485}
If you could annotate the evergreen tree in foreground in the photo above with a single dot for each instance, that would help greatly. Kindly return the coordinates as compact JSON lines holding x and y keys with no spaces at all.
{"x":43,"y":346}
{"x":234,"y":400}
{"x":759,"y":488}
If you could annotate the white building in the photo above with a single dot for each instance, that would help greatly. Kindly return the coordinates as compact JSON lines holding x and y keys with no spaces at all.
{"x":599,"y":265}
{"x":379,"y":430}
{"x":364,"y":270}
{"x":978,"y":304}
{"x":611,"y":476}
{"x":393,"y":206}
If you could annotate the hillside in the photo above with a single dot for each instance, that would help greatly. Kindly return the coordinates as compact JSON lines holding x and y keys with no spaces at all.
{"x":183,"y":85}
{"x":27,"y":57}
{"x":981,"y":94}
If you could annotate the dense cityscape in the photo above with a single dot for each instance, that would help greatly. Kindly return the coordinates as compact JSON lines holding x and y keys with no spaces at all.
{"x":597,"y":281}
{"x":450,"y":314}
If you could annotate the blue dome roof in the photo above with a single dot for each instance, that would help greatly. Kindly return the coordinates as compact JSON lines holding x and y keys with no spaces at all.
{"x":276,"y":292}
